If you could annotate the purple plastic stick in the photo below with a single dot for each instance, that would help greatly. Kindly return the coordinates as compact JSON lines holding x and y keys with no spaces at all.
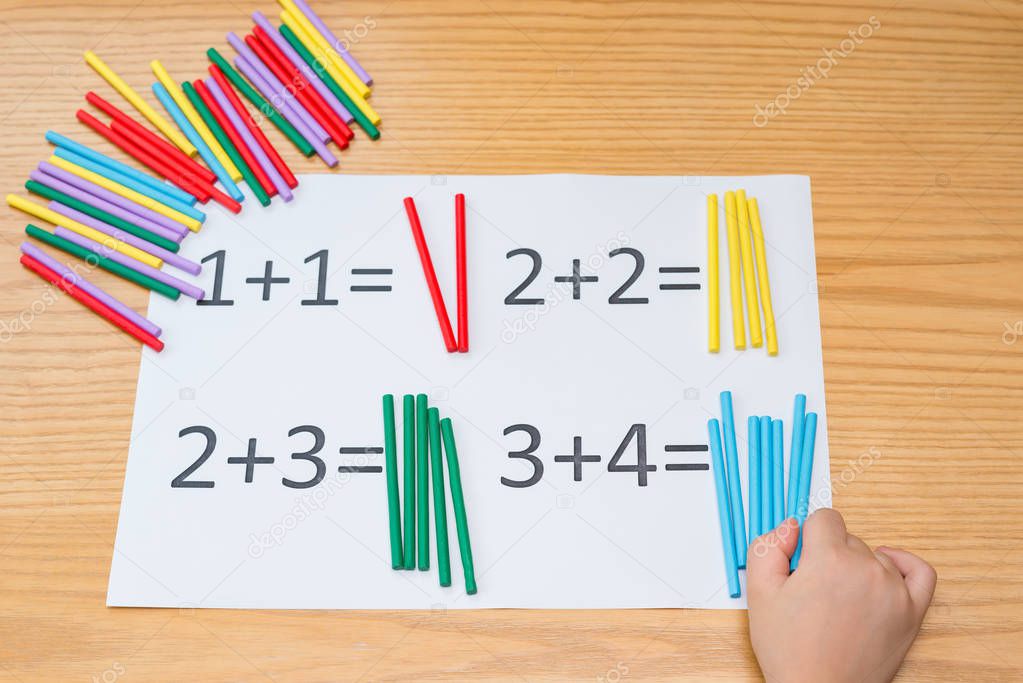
{"x":334,"y":42}
{"x":112,"y":197}
{"x":169,"y":257}
{"x":299,"y":63}
{"x":103,"y":205}
{"x":79,"y":281}
{"x":297,"y":121}
{"x":139,"y":267}
{"x":275,"y":177}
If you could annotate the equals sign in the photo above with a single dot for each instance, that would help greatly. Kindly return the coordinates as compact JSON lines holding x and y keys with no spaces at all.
{"x":679,"y":269}
{"x":686,"y":448}
{"x":361,"y":450}
{"x":371,"y":271}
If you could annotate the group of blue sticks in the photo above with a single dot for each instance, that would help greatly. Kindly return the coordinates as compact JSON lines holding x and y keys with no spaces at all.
{"x":768,"y":506}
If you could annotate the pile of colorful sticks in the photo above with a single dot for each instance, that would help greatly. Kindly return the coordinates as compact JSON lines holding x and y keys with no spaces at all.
{"x":422,"y":433}
{"x":742,"y":217}
{"x":765,"y":475}
{"x":118,"y":218}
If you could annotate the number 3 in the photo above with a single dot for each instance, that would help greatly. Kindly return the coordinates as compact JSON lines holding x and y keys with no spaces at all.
{"x":527,"y":454}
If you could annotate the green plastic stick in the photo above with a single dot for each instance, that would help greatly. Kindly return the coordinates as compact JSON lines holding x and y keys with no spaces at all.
{"x":440,"y":512}
{"x":393,"y":502}
{"x":372,"y":131}
{"x":264,"y":107}
{"x":409,"y":468}
{"x":99,"y":214}
{"x":458,"y":503}
{"x":101,"y":261}
{"x":423,"y":481}
{"x":225,"y":142}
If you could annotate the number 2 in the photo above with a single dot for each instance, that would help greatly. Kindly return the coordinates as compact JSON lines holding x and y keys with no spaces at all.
{"x":512,"y":299}
{"x":181,"y":481}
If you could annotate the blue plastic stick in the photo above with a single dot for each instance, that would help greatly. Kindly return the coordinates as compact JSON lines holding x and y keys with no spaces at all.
{"x":778,"y":477}
{"x":805,"y":474}
{"x":119,"y":177}
{"x":102,"y":159}
{"x":193,"y":136}
{"x":724,"y":517}
{"x":734,"y":483}
{"x":798,"y":422}
{"x":766,"y":470}
{"x":753,"y":474}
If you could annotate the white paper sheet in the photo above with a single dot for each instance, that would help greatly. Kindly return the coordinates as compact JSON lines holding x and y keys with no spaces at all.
{"x":570,"y":367}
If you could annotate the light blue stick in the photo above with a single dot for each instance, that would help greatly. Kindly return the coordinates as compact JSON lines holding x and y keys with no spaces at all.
{"x":734,"y":482}
{"x":805,"y":474}
{"x":795,"y":451}
{"x":766,"y":470}
{"x":721,"y":486}
{"x":753,"y":474}
{"x":131,"y":183}
{"x":102,"y":159}
{"x":778,"y":479}
{"x":193,"y":136}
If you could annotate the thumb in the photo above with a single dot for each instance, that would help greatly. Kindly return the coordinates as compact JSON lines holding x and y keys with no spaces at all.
{"x":768,"y":559}
{"x":919,"y":576}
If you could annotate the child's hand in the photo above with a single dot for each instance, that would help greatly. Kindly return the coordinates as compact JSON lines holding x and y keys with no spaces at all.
{"x":846,"y":614}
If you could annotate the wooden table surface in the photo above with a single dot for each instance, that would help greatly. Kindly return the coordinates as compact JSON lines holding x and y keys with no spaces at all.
{"x":912,"y":139}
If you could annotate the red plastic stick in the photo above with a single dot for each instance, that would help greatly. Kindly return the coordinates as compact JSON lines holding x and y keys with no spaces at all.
{"x":91,"y":302}
{"x":461,"y":276}
{"x":431,"y":276}
{"x":236,"y":139}
{"x":140,"y":131}
{"x":250,"y":123}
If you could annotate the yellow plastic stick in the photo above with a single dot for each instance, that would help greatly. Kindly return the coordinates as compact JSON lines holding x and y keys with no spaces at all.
{"x":126,"y":192}
{"x":749,"y":276}
{"x":118,"y":84}
{"x":193,"y":117}
{"x":713,"y":296}
{"x":734,"y":271}
{"x":765,"y":282}
{"x":331,"y":68}
{"x":321,"y":41}
{"x":45,"y":214}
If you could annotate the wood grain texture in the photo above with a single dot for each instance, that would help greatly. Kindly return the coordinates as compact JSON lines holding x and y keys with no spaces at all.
{"x":913,"y":142}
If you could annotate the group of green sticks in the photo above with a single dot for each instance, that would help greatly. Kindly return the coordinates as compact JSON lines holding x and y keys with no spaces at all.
{"x":422,"y":433}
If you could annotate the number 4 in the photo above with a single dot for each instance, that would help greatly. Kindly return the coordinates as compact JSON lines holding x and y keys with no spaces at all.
{"x":637,"y":432}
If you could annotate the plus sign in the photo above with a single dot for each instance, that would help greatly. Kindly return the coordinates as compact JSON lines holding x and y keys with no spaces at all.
{"x":267,"y":280}
{"x":250,"y":461}
{"x":577,"y":458}
{"x":576,"y":279}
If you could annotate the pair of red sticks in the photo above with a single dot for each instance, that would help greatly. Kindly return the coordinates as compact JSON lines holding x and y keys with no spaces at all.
{"x":460,"y":345}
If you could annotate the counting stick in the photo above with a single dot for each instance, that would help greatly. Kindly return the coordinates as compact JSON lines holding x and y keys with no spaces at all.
{"x":778,"y":475}
{"x":734,"y":272}
{"x":50,"y":216}
{"x":65,"y":283}
{"x":753,"y":474}
{"x":724,"y":518}
{"x":408,"y":434}
{"x":748,"y":275}
{"x":193,"y":117}
{"x":423,"y":481}
{"x":765,"y":282}
{"x":440,"y":512}
{"x":333,"y":41}
{"x":65,"y":243}
{"x":431,"y":276}
{"x":805,"y":475}
{"x":142,"y":269}
{"x":136,"y":101}
{"x":795,"y":453}
{"x":734,"y":482}
{"x":320,"y":42}
{"x":713,"y":296}
{"x":458,"y":504}
{"x":391,"y":465}
{"x":766,"y":473}
{"x":154,"y":187}
{"x":462,"y":277}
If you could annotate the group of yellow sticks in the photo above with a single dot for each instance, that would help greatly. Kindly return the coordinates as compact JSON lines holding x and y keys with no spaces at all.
{"x":741,"y":217}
